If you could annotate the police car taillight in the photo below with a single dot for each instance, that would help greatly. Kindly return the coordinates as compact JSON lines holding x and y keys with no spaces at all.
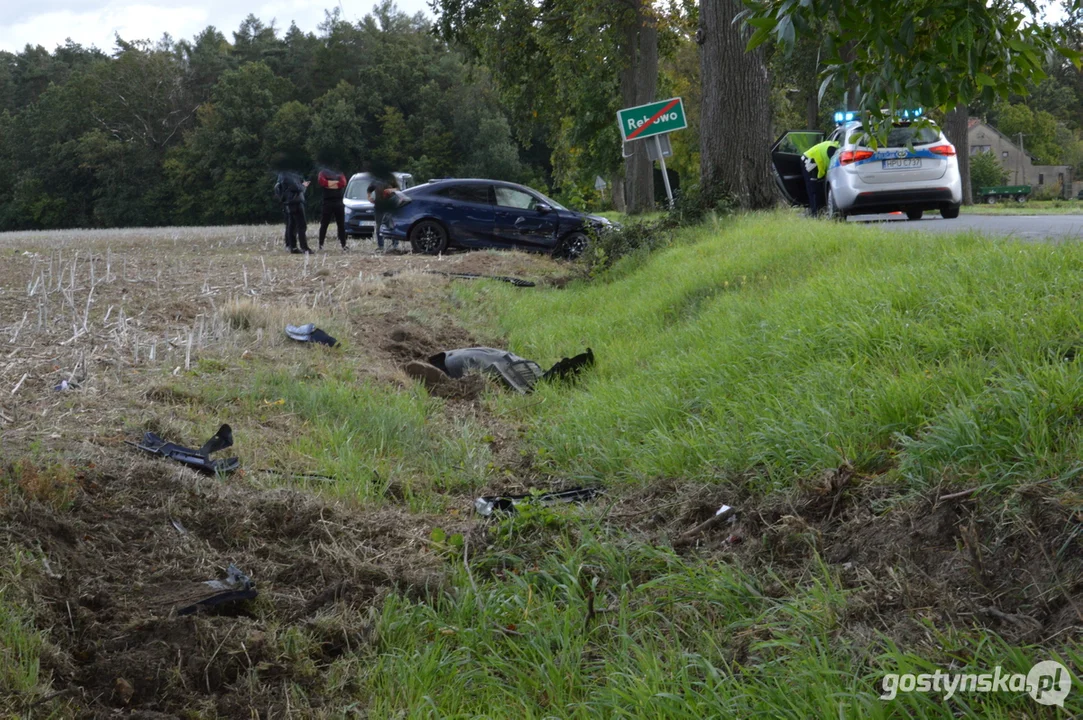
{"x":852,"y":156}
{"x":945,"y":150}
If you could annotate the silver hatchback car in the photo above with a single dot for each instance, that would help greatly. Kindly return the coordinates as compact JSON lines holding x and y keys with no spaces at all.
{"x":360,"y":214}
{"x":916,"y":171}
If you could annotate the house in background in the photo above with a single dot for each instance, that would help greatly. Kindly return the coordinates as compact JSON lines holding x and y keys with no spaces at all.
{"x":1020,"y":166}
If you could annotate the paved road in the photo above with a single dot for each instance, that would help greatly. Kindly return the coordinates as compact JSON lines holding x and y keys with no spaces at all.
{"x":1024,"y":227}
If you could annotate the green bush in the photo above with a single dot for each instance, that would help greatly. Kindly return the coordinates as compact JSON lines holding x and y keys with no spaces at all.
{"x":986,"y":171}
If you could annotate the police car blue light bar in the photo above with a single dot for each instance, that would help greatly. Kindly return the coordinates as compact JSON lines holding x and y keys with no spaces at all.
{"x":916,"y":113}
{"x":841,"y":117}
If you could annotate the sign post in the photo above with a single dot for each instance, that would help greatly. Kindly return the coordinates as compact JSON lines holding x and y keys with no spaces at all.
{"x":653,"y":120}
{"x":662,"y":162}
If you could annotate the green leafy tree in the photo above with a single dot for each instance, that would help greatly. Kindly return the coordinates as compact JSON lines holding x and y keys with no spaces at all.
{"x":986,"y":171}
{"x":936,"y":54}
{"x":569,"y":66}
{"x":1039,"y":131}
{"x":205,"y":58}
{"x":339,"y":126}
{"x":192,"y":131}
{"x":223,"y":173}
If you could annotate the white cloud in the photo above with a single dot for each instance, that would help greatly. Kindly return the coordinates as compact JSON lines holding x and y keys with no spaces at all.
{"x":96,"y":22}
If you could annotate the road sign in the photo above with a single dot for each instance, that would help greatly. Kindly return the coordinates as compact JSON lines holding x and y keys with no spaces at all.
{"x":652,"y":119}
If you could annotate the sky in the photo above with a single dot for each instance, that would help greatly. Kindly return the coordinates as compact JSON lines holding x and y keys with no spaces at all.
{"x":95,"y":22}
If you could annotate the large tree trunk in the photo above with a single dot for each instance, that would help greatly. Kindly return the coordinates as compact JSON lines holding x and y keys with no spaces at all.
{"x":735,"y":125}
{"x":638,"y":84}
{"x":958,"y":133}
{"x":812,"y":108}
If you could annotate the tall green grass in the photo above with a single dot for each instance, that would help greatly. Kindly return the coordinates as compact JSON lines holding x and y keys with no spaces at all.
{"x":785,"y":347}
{"x":362,"y":437}
{"x":20,"y":641}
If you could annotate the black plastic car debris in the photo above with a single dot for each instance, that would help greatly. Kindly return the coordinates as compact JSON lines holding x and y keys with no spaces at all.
{"x":186,"y":598}
{"x":195,"y":459}
{"x":569,"y":368}
{"x":310,"y":333}
{"x":517,"y":282}
{"x":486,"y":506}
{"x":517,"y":373}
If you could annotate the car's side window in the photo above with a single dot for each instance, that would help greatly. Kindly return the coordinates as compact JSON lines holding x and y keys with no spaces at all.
{"x":468,"y":193}
{"x":512,"y":198}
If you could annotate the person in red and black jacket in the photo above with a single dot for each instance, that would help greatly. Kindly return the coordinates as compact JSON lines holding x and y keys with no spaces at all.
{"x":333,"y":184}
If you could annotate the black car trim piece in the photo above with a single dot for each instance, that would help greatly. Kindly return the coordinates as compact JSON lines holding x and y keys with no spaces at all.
{"x":517,"y":282}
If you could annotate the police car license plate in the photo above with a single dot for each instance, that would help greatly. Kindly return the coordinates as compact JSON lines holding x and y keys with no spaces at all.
{"x":368,"y":223}
{"x":902,"y":163}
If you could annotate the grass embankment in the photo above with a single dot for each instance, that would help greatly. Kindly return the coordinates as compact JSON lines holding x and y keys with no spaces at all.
{"x":783,"y":349}
{"x":755,"y":357}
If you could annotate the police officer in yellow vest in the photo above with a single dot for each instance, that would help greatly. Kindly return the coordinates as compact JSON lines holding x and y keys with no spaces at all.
{"x":814,"y":169}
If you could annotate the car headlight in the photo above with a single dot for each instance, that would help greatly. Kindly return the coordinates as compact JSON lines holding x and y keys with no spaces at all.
{"x":347,"y":211}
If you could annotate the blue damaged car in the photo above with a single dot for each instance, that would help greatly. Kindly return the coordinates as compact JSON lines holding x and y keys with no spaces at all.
{"x":473,"y":213}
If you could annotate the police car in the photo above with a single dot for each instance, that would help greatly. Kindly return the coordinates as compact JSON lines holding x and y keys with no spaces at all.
{"x":916,"y":171}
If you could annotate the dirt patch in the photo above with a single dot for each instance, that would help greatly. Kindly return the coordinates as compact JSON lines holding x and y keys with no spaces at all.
{"x":137,"y":537}
{"x":1016,"y":572}
{"x":406,"y":343}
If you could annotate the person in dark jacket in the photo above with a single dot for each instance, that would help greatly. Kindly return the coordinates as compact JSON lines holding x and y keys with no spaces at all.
{"x":333,"y":184}
{"x":381,"y":193}
{"x":290,"y":190}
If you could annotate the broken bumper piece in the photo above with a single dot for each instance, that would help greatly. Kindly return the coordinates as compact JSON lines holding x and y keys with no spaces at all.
{"x":196,"y":459}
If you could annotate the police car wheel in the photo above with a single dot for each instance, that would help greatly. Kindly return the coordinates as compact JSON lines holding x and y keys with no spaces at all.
{"x":833,"y":211}
{"x":428,"y":237}
{"x":914,"y":214}
{"x":950,"y":213}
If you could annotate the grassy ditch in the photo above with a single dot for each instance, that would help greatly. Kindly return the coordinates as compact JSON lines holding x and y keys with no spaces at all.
{"x":896,"y":419}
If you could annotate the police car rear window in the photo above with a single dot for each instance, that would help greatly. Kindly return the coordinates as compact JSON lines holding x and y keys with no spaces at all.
{"x":902,"y":135}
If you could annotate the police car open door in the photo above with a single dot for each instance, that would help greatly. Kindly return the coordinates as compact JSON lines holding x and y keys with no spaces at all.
{"x":786,"y":160}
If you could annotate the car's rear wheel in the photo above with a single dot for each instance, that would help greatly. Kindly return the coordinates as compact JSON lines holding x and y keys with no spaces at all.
{"x":572,"y":246}
{"x":833,"y":211}
{"x":428,"y":237}
{"x":950,"y":212}
{"x":914,"y":214}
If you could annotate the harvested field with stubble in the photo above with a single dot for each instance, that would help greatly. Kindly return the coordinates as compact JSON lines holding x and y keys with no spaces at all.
{"x":896,"y":422}
{"x":176,"y":331}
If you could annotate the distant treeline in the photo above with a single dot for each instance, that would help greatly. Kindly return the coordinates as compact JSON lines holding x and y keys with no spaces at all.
{"x":191,"y":132}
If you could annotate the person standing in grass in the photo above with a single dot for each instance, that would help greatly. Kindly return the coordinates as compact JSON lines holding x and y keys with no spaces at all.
{"x":290,"y":190}
{"x":333,"y":184}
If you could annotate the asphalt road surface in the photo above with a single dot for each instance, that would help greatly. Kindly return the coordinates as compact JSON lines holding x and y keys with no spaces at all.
{"x":1022,"y":227}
